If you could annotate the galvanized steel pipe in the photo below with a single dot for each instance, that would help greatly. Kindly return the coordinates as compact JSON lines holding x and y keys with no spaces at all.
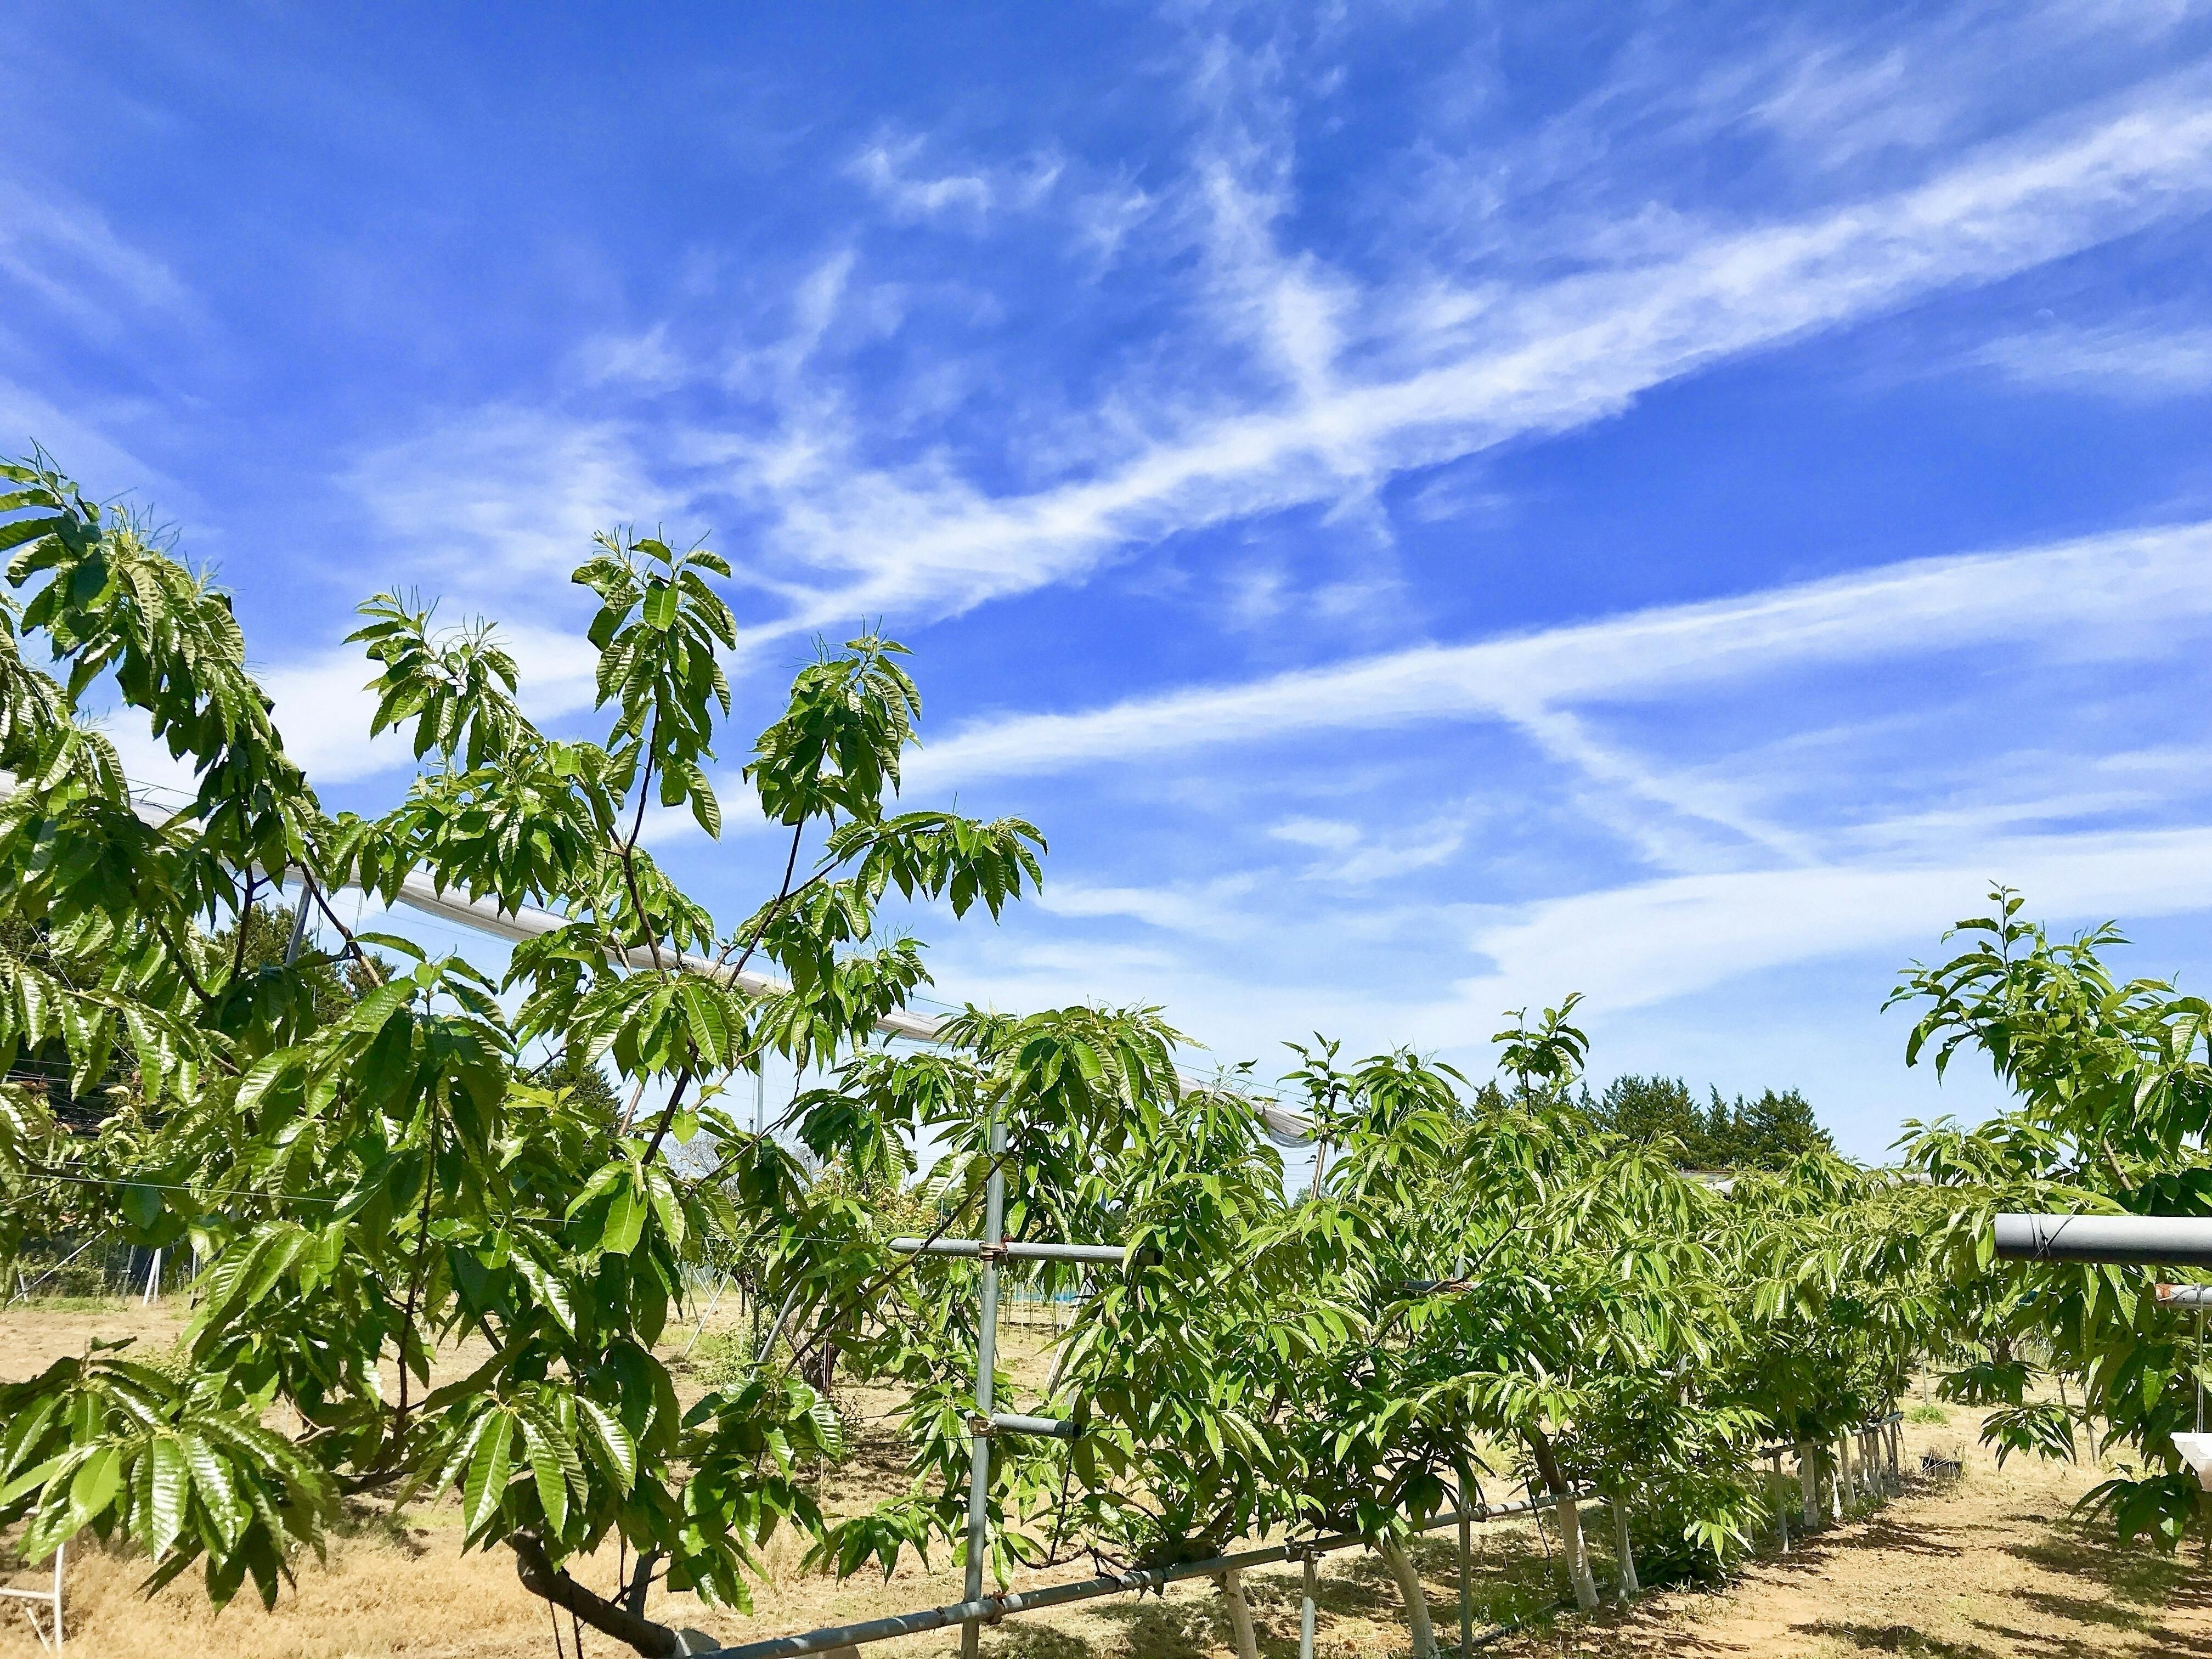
{"x":991,"y":1609}
{"x":1013,"y":1250}
{"x":2180,"y":1241}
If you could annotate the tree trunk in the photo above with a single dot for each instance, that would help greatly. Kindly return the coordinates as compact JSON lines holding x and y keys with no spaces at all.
{"x":1625,"y":1549}
{"x":542,"y":1578}
{"x":1809,"y":1484}
{"x":1571,"y":1521}
{"x":1847,"y":1490}
{"x":1240,"y":1614}
{"x":2073,"y":1446}
{"x":1416,"y":1598}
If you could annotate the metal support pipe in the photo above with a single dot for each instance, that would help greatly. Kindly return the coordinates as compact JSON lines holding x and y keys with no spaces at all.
{"x":2180,"y":1241}
{"x":298,"y":927}
{"x":1010,"y":1423}
{"x":2186,"y":1296}
{"x":979,"y":1609}
{"x":1306,"y":1606}
{"x":1781,"y":1510}
{"x":1012,"y":1250}
{"x":1466,"y":1581}
{"x":986,"y":1363}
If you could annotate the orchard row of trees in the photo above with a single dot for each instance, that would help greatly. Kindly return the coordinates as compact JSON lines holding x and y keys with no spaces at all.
{"x":374,"y":1152}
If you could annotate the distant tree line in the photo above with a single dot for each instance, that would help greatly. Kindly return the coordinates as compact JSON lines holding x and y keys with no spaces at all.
{"x":1766,"y":1133}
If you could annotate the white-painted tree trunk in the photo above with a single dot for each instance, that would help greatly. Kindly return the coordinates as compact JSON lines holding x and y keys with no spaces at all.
{"x":1577,"y":1550}
{"x":1416,"y":1598}
{"x":1625,"y":1549}
{"x":1840,"y":1486}
{"x":1808,"y":1485}
{"x":1240,"y":1614}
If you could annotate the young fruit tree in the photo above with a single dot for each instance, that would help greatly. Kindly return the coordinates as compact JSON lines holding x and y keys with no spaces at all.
{"x":2111,"y":1085}
{"x":367,"y":1181}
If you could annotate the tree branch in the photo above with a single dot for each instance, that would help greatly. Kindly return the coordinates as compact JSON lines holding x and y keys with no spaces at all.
{"x":626,"y":851}
{"x":801,"y":1353}
{"x":415,"y":1282}
{"x":782,"y":898}
{"x":237,"y":947}
{"x":667,"y":1115}
{"x":353,"y":946}
{"x":542,"y":1578}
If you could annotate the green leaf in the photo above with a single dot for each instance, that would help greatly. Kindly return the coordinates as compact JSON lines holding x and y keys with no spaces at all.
{"x":626,"y":1214}
{"x":485,"y":1485}
{"x":609,"y":1441}
{"x":172,"y":1489}
{"x":552,"y":1484}
{"x":24,"y":530}
{"x":98,"y":1478}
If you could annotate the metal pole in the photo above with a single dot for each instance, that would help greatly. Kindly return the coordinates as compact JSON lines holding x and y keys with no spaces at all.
{"x":2200,"y":1371}
{"x":987,"y":1361}
{"x":1782,"y":1508}
{"x":299,"y":928}
{"x":1466,"y":1579}
{"x":1306,"y":1609}
{"x":1008,"y":1602}
{"x":1011,"y":1249}
{"x":2182,"y":1241}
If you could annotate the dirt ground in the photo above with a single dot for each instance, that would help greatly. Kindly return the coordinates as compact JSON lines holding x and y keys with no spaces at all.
{"x":1984,"y":1567}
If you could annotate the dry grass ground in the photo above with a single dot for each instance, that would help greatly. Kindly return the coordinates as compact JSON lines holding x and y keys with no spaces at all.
{"x":1984,"y":1568}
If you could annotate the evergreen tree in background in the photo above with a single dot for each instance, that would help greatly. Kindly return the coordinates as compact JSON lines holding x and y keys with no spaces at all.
{"x":1765,"y":1133}
{"x":1775,"y":1129}
{"x":581,"y":1081}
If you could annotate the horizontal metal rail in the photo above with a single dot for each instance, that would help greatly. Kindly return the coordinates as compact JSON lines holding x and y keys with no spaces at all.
{"x":992,"y":1608}
{"x":1012,"y":1250}
{"x":2186,"y":1296}
{"x":2122,"y":1240}
{"x":1057,"y":1428}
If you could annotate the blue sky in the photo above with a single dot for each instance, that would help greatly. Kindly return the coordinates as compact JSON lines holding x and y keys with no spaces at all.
{"x":1429,"y":507}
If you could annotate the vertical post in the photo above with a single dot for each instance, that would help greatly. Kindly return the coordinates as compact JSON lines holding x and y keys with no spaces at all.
{"x":987,"y":1361}
{"x":1466,"y":1578}
{"x":2200,"y":1371}
{"x":1839,"y":1487}
{"x":298,"y":926}
{"x":1809,"y":1484}
{"x":152,"y":1281}
{"x":1306,"y":1610}
{"x":1781,"y":1510}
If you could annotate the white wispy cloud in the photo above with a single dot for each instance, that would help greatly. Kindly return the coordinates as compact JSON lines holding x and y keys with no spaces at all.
{"x":1631,"y":946}
{"x":892,"y":171}
{"x":1210,"y":910}
{"x":66,"y":255}
{"x":1445,"y":371}
{"x":2122,"y":584}
{"x":1635,"y":946}
{"x":2133,"y":357}
{"x":502,"y":494}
